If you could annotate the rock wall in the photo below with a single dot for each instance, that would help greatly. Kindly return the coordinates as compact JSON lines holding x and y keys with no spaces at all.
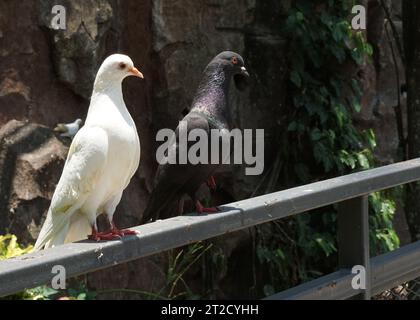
{"x":31,"y":159}
{"x":46,"y":77}
{"x":380,"y":87}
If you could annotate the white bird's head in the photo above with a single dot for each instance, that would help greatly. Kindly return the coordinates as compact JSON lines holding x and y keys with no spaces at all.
{"x":115,"y":68}
{"x":78,"y":122}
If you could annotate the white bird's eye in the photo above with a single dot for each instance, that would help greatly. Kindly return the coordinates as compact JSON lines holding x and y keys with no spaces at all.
{"x":122,"y":65}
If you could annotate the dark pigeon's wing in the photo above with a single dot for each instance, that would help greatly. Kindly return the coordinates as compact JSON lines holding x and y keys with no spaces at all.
{"x":174,"y":180}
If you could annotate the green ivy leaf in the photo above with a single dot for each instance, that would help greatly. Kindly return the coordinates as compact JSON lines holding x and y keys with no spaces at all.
{"x":363,"y":161}
{"x":299,"y":16}
{"x":371,"y":139}
{"x":316,"y":134}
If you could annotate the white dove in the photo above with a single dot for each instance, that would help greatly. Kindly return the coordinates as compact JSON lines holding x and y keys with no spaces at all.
{"x":102,"y":158}
{"x":68,"y":129}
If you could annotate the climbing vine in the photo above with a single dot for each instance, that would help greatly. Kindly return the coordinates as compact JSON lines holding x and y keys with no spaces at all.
{"x":321,"y":141}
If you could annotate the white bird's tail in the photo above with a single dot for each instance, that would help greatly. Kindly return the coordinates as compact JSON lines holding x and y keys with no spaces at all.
{"x":79,"y":228}
{"x":53,"y":231}
{"x":59,"y":229}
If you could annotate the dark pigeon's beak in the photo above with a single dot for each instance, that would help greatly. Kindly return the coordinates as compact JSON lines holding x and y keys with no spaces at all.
{"x":244,"y":72}
{"x":241,"y":79}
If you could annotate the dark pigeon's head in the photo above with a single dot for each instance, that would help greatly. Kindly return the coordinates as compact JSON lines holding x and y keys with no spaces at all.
{"x":233,"y":65}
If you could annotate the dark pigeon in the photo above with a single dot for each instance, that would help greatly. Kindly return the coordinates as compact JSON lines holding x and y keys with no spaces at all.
{"x":209,"y":111}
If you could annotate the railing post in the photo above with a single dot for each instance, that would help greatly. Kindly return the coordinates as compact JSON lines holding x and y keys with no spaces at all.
{"x":353,"y":238}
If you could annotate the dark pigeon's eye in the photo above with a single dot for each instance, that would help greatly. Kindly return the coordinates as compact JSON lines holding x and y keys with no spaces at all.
{"x":234,"y":60}
{"x":122,"y":65}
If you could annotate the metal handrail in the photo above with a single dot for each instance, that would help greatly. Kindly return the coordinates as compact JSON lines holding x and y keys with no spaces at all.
{"x":35,"y":269}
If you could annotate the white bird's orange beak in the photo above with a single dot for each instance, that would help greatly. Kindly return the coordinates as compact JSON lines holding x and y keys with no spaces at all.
{"x":135,"y":72}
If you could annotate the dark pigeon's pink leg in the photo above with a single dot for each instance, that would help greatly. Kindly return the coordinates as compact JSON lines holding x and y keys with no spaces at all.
{"x":201,"y":209}
{"x":211,"y":183}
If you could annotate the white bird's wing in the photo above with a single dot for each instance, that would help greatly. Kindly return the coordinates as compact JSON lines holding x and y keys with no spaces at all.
{"x":83,"y":168}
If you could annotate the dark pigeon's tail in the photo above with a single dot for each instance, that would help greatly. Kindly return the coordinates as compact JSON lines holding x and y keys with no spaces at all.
{"x":151,"y":213}
{"x":161,"y":205}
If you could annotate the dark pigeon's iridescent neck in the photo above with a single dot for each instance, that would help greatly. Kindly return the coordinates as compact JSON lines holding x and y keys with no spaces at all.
{"x":213,"y":92}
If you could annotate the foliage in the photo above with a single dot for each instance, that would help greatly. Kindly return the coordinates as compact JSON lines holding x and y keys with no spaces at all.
{"x":175,"y":287}
{"x":324,"y":99}
{"x":383,"y":237}
{"x":48,"y":293}
{"x":179,"y":264}
{"x":321,"y":141}
{"x":9,"y":248}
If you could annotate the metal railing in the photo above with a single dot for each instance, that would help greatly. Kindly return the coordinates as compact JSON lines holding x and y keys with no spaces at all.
{"x":350,"y":192}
